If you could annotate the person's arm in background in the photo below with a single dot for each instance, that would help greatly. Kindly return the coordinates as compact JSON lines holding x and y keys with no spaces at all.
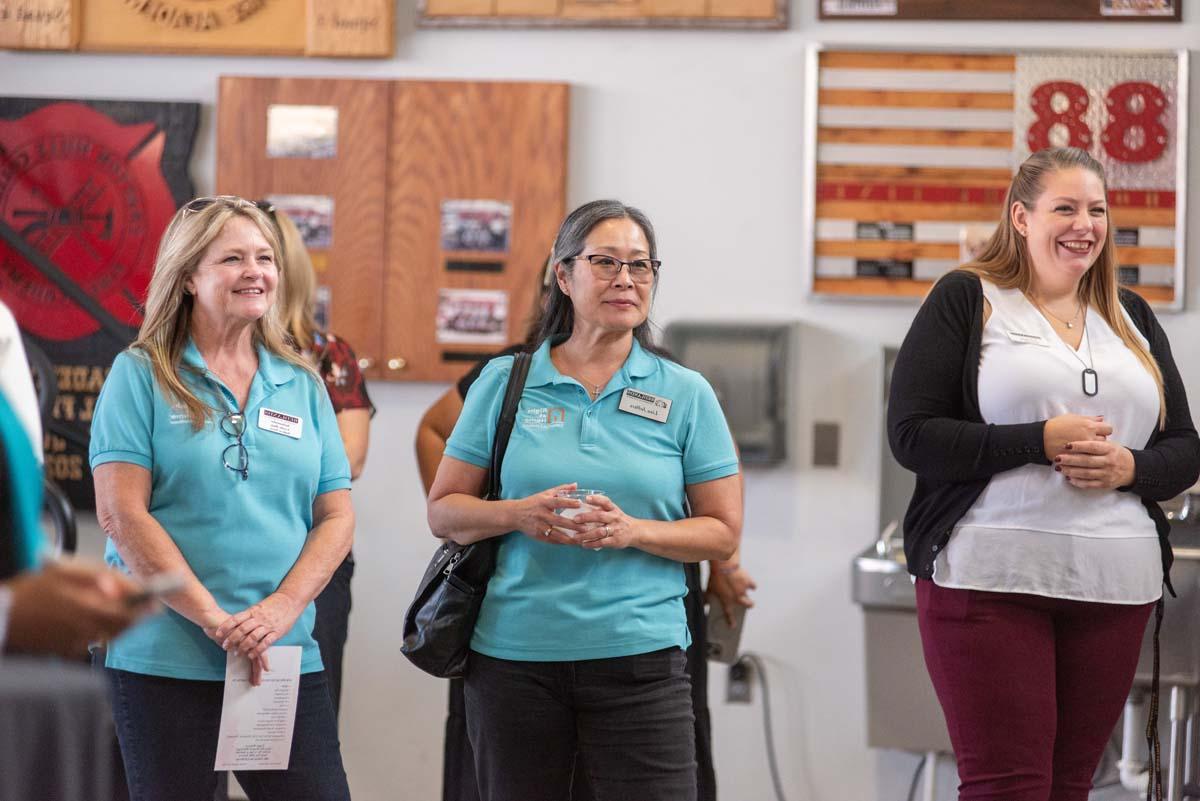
{"x":61,"y":608}
{"x":433,"y":431}
{"x":347,"y":388}
{"x":730,"y":584}
{"x":355,"y":427}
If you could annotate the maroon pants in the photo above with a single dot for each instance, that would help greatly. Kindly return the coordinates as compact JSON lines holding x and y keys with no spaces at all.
{"x":1031,"y":687}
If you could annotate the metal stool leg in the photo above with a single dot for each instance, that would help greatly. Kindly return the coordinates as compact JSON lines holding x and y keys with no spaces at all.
{"x":1175,"y":756}
{"x":929,"y":791}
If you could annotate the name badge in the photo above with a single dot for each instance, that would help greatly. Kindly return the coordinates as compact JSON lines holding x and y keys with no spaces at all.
{"x":280,"y":423}
{"x":643,"y":404}
{"x":1028,"y":339}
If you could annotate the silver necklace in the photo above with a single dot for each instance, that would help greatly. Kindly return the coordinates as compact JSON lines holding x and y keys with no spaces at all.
{"x":1091,"y":381}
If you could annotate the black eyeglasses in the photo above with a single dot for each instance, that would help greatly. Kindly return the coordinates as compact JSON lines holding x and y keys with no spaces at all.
{"x":234,"y":424}
{"x":641,"y":271}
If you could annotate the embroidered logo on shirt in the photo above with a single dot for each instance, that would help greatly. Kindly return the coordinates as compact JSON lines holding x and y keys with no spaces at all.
{"x":541,"y":418}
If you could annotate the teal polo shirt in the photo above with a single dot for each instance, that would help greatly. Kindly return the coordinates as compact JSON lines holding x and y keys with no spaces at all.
{"x":239,"y":537}
{"x":548,"y":602}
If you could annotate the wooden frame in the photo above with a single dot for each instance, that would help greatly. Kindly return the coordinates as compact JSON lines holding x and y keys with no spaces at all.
{"x":337,"y":28}
{"x":404,"y":148}
{"x":1059,"y":10}
{"x":734,"y":14}
{"x":906,"y":177}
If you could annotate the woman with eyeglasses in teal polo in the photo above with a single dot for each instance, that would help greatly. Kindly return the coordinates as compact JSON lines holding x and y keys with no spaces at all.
{"x":578,"y":652}
{"x":217,"y":457}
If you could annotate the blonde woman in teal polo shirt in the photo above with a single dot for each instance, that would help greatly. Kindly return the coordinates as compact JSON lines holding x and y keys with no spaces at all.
{"x":579,"y":648}
{"x":217,"y":457}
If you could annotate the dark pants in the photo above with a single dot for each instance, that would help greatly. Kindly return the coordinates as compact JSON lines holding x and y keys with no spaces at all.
{"x":458,"y":764}
{"x":332,"y":625}
{"x":628,"y":719}
{"x":1031,"y":687}
{"x":168,"y":732}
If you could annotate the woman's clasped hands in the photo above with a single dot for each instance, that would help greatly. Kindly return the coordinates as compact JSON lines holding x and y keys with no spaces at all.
{"x":603,"y":525}
{"x":1079,"y":448}
{"x":252,"y":631}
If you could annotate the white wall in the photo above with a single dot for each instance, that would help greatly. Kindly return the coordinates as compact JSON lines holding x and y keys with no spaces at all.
{"x":704,"y":130}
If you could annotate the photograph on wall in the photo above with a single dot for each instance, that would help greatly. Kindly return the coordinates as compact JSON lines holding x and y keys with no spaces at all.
{"x":87,"y":188}
{"x":1138,"y":8}
{"x":472,"y":316}
{"x":482,"y":225}
{"x":896,"y":151}
{"x":301,"y":132}
{"x":321,"y":311}
{"x":313,"y":216}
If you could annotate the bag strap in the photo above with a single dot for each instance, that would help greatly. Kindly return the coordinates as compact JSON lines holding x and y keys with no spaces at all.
{"x":508,"y":417}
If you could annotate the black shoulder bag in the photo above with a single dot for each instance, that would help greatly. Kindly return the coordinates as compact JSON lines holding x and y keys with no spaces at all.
{"x":441,"y":619}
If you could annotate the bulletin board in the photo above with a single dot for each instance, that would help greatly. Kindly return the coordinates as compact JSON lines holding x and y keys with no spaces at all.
{"x":333,"y":28}
{"x":1091,"y":10}
{"x":913,"y":153}
{"x":428,"y":207}
{"x":744,"y":14}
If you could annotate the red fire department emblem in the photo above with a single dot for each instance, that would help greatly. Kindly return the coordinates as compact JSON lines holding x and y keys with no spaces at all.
{"x":89,"y":195}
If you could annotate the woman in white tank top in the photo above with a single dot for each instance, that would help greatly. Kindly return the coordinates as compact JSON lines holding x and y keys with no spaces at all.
{"x":1040,"y":408}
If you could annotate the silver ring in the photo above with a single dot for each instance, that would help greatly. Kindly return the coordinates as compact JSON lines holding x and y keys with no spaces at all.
{"x":546,"y":533}
{"x":607,"y":533}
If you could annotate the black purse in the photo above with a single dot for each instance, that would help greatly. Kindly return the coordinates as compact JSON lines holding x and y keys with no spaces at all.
{"x":441,"y":619}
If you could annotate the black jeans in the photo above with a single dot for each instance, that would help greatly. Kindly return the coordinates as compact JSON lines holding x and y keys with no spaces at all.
{"x":332,"y":625}
{"x":629,"y":719}
{"x":168,"y":731}
{"x":458,"y":766}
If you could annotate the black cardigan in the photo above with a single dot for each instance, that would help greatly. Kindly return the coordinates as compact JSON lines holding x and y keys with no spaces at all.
{"x":936,"y":430}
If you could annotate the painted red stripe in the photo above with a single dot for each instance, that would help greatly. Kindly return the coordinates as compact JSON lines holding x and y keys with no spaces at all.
{"x":969,"y":195}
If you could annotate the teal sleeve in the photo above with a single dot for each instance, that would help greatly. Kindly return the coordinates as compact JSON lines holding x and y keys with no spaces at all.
{"x":471,"y":440}
{"x":708,"y":451}
{"x":335,"y":467}
{"x":123,"y":420}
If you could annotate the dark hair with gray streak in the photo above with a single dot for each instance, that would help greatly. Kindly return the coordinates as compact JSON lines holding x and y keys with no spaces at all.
{"x":558,"y":316}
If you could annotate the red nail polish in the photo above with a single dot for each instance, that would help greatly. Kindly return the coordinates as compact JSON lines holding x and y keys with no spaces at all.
{"x":1068,"y":447}
{"x":1058,"y":469}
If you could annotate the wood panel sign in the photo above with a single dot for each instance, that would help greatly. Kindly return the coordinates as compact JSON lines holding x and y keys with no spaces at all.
{"x":1095,"y":10}
{"x":347,"y":28}
{"x":428,"y":207}
{"x":605,"y":13}
{"x":914,"y":151}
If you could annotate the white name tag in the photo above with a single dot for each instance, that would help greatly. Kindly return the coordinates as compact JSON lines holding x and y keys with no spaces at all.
{"x":1028,"y":339}
{"x":643,"y":404}
{"x":280,"y":423}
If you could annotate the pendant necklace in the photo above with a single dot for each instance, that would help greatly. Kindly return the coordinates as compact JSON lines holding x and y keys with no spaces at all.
{"x":1070,"y":324}
{"x":1091,"y":381}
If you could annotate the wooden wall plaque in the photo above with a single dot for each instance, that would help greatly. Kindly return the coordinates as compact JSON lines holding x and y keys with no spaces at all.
{"x":914,"y":151}
{"x":346,"y":28}
{"x":746,"y":14}
{"x":409,"y":158}
{"x":1061,"y":10}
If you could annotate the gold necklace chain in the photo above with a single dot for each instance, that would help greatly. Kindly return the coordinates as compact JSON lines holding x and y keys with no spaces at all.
{"x":1054,"y":316}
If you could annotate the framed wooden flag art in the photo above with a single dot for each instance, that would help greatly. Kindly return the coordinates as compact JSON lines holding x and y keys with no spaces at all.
{"x":912,"y":153}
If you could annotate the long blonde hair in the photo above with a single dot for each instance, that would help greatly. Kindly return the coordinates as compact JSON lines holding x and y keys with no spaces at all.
{"x":1004,"y":259}
{"x":296,"y":308}
{"x":167,"y":325}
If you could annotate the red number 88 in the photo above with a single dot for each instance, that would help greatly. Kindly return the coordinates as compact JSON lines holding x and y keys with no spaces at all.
{"x":1122,"y":119}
